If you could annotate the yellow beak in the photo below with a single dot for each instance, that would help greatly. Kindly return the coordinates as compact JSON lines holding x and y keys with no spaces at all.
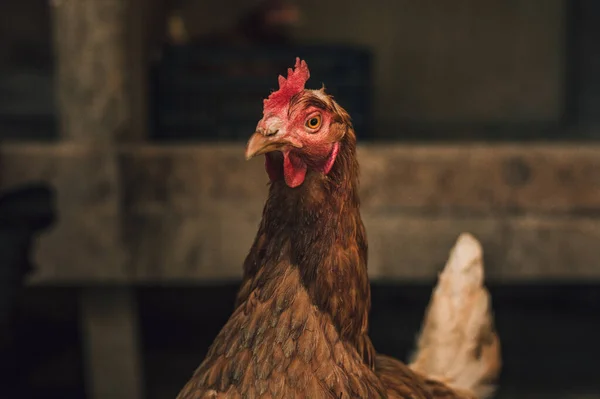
{"x":261,"y":144}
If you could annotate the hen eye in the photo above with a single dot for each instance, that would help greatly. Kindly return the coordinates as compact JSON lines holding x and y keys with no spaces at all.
{"x":314,"y":122}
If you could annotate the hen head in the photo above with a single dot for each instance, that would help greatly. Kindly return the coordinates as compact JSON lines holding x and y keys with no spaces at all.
{"x":301,"y":129}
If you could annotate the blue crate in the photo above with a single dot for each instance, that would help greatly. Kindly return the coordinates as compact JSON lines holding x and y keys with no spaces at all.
{"x":216,"y":93}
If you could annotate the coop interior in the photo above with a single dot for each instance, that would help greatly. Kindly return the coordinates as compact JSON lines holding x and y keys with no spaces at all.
{"x":127,"y":205}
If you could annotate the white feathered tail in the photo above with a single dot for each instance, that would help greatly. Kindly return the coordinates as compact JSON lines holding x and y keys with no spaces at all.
{"x":458,"y":344}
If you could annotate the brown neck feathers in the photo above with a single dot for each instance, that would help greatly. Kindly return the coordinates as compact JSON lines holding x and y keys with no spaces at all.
{"x":318,"y":227}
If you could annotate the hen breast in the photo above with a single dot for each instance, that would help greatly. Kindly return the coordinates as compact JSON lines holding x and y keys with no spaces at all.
{"x":277,"y":344}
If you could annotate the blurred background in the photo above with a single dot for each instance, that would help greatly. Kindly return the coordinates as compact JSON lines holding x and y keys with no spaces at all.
{"x":126,"y":208}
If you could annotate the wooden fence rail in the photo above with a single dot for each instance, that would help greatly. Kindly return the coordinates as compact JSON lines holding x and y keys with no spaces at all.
{"x":189,"y":213}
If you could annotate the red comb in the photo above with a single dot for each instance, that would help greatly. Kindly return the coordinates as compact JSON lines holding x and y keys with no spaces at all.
{"x":294,"y":84}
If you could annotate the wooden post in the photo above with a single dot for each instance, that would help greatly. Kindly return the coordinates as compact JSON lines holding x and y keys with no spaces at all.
{"x":90,"y":69}
{"x":95,"y":72}
{"x":110,"y":329}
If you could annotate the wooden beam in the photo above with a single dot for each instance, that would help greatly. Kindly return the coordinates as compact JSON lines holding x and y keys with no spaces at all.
{"x":94,"y":113}
{"x":211,"y":245}
{"x":99,"y":63}
{"x":560,"y":178}
{"x":189,"y":213}
{"x":423,"y":178}
{"x":111,"y":347}
{"x":90,"y":50}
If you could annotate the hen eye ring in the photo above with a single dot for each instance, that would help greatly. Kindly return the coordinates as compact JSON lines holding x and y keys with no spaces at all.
{"x":314,"y":122}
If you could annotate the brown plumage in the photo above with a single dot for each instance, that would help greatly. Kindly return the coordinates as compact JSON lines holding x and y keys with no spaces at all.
{"x":300,"y":325}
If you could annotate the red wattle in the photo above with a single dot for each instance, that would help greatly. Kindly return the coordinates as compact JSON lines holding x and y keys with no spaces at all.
{"x":294,"y":169}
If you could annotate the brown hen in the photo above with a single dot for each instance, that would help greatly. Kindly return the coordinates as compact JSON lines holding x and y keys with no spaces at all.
{"x":300,"y":325}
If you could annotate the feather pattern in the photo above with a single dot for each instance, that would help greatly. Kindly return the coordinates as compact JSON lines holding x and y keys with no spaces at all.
{"x":300,"y":324}
{"x":458,"y":343}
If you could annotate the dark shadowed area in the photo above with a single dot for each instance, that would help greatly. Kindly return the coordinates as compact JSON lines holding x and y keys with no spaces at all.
{"x":549,"y":335}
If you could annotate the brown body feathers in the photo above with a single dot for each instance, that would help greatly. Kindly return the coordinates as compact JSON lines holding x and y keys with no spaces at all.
{"x":300,"y":326}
